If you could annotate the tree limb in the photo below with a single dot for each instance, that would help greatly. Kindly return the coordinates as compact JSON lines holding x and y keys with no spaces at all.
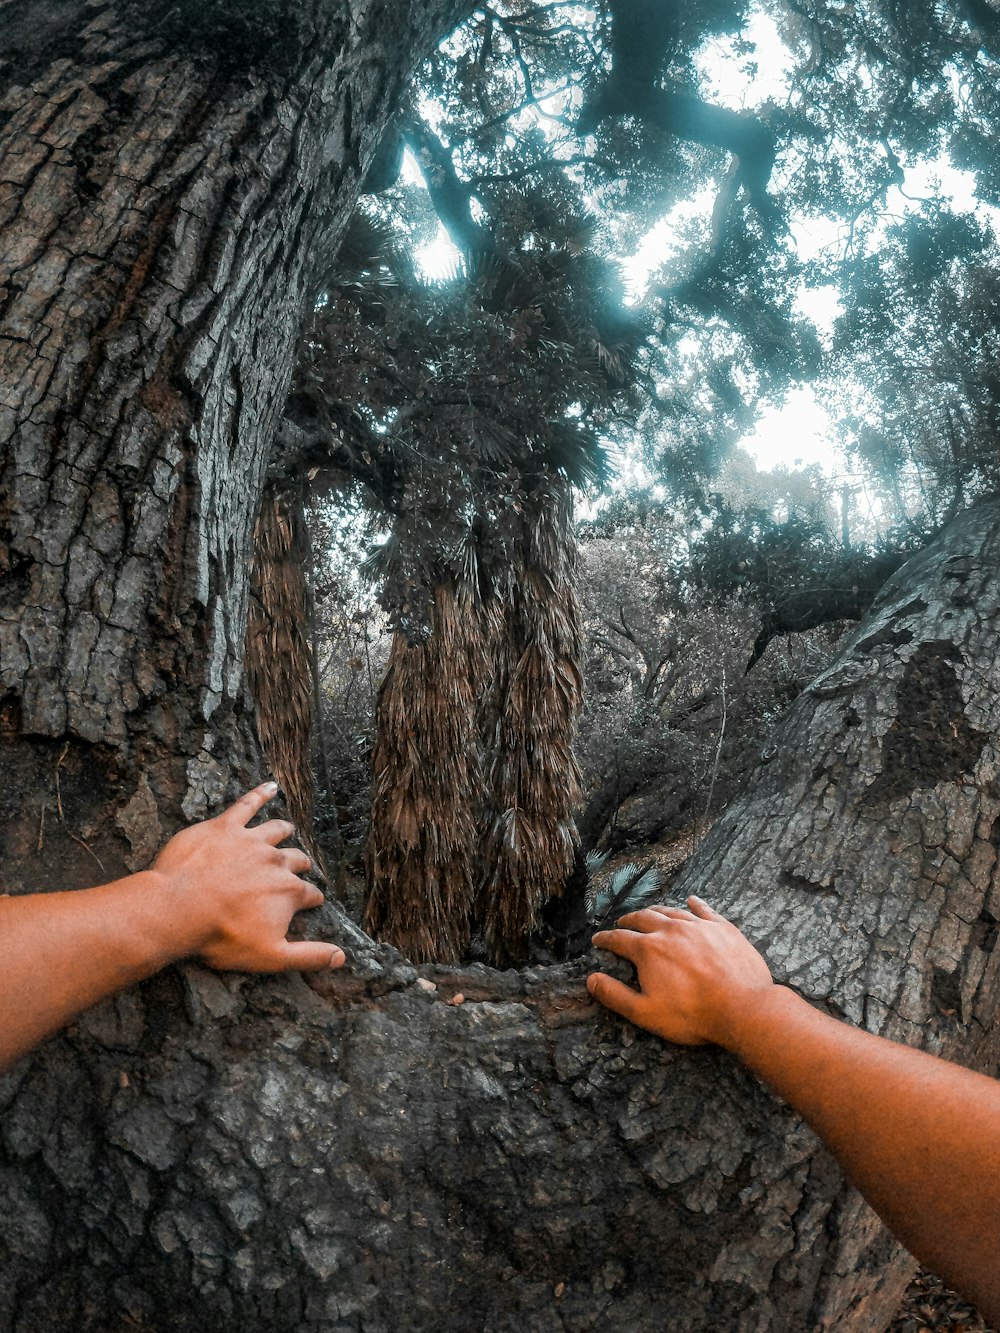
{"x":450,"y":196}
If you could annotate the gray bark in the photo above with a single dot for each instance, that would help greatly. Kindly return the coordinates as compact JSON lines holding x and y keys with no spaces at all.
{"x":358,"y":1151}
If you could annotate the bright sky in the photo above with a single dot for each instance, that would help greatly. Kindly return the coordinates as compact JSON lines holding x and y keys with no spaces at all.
{"x":796,"y":432}
{"x":800,"y":428}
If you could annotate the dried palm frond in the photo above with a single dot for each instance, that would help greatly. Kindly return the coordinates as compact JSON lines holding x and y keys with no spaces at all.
{"x":528,"y":722}
{"x":279,"y":657}
{"x":424,"y":836}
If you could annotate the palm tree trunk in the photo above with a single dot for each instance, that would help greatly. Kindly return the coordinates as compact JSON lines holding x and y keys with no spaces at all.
{"x":532,"y":778}
{"x":279,"y":656}
{"x":424,"y":834}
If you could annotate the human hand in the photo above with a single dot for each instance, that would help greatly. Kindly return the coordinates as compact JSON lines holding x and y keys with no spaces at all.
{"x":229,"y":892}
{"x":696,"y":972}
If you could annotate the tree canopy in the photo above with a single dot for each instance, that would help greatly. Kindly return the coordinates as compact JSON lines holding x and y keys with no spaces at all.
{"x":550,"y":142}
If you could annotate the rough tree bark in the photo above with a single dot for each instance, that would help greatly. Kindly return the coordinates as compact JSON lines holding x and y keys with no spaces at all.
{"x":172,"y":182}
{"x":359,"y":1153}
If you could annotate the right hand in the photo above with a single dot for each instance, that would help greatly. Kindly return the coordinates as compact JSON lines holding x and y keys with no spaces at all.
{"x":231,"y":892}
{"x":696,"y":972}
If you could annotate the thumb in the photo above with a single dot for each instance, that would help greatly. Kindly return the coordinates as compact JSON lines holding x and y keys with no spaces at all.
{"x":309,"y":956}
{"x":616,"y":995}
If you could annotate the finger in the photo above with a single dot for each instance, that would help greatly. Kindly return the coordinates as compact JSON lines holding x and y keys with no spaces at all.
{"x":701,"y":908}
{"x":296,"y":860}
{"x":296,"y":892}
{"x":309,"y":956}
{"x":274,"y":831}
{"x":625,"y":943}
{"x":243,"y":810}
{"x":311,"y":896}
{"x":672,"y":913}
{"x":643,"y":921}
{"x":616,"y":995}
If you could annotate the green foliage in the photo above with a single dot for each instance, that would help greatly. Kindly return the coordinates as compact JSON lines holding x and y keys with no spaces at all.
{"x":627,"y":888}
{"x":461,"y":405}
{"x":920,"y":339}
{"x":671,"y":719}
{"x":748,"y":551}
{"x":549,"y":139}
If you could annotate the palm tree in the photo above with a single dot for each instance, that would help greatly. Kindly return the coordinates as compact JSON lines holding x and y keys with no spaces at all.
{"x":279,"y":655}
{"x":528,"y":721}
{"x":423,"y":844}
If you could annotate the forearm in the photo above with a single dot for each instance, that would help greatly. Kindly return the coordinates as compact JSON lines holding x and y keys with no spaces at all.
{"x":62,"y":952}
{"x":920,"y":1138}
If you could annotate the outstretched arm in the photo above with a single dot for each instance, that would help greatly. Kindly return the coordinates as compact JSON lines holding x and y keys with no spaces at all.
{"x":919,"y":1137}
{"x":218,"y":891}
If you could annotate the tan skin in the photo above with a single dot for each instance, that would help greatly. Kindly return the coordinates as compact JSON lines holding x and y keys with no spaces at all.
{"x":219,"y":892}
{"x":919,"y":1137}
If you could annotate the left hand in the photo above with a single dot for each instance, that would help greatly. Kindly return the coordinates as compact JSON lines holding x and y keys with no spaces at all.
{"x":697,"y":972}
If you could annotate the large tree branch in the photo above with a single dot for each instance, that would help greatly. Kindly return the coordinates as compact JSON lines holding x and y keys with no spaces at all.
{"x":450,"y":197}
{"x":691,"y":118}
{"x":843,"y":592}
{"x":701,"y":122}
{"x":643,"y":34}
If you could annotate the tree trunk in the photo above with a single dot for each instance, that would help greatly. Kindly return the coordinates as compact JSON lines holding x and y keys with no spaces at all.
{"x":279,"y":657}
{"x":363,"y":1152}
{"x":173,"y":180}
{"x":532,"y":782}
{"x":426,"y":787}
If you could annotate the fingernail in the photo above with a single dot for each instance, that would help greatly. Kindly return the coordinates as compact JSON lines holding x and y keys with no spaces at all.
{"x":270,"y":787}
{"x":337,"y":957}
